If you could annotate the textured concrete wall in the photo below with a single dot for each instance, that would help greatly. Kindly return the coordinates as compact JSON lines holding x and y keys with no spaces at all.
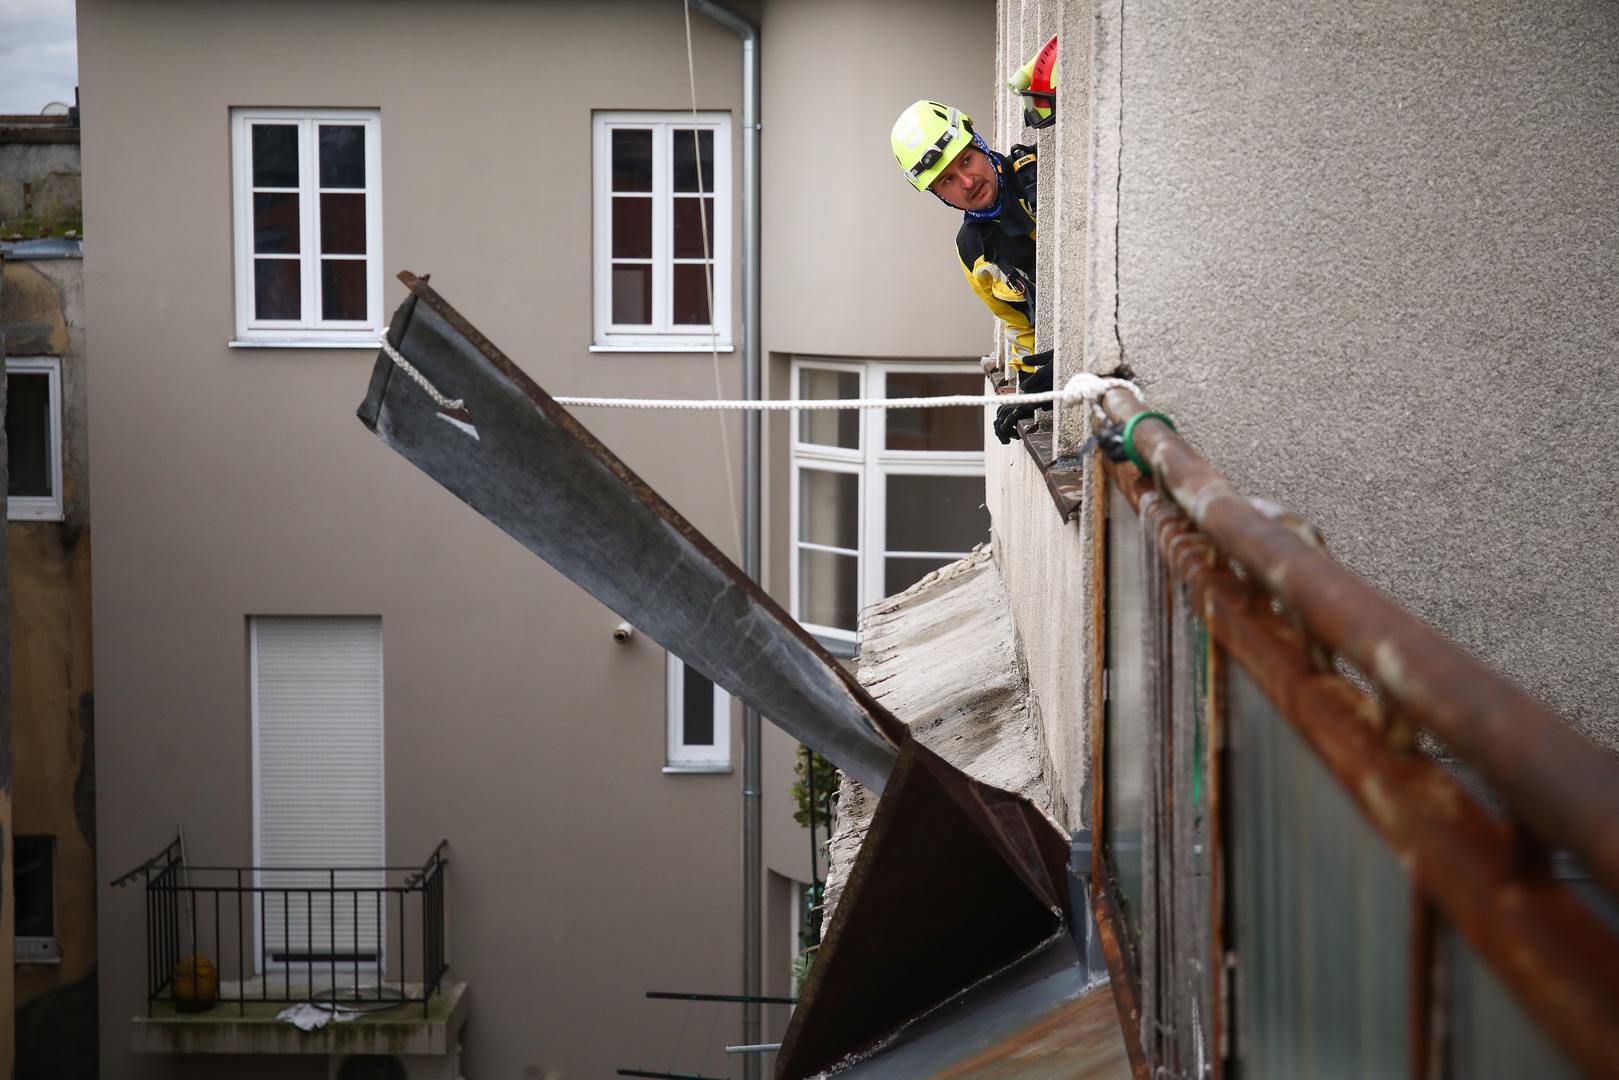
{"x":1368,"y":257}
{"x":53,"y":711}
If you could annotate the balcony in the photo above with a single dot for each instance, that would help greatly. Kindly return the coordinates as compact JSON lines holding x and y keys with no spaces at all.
{"x":244,"y":959}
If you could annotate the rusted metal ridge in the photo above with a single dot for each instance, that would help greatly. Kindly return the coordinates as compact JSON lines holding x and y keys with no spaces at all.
{"x":956,"y":879}
{"x":522,"y":461}
{"x":1560,"y":959}
{"x":1561,"y":786}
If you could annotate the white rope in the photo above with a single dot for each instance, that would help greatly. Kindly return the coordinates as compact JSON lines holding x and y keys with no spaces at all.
{"x":421,"y":380}
{"x":1081,"y":388}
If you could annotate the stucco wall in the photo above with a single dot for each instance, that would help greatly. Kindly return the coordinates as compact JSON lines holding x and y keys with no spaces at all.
{"x":1368,"y":257}
{"x":860,"y":264}
{"x":230,"y":483}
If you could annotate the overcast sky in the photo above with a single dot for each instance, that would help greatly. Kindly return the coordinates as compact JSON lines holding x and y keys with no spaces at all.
{"x":39,"y":58}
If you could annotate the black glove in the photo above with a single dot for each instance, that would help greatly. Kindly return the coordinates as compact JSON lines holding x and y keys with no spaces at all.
{"x":1037,"y":381}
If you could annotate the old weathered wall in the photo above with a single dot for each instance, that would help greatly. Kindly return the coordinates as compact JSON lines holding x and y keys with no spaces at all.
{"x":39,"y":179}
{"x":53,"y":723}
{"x":1366,"y":258}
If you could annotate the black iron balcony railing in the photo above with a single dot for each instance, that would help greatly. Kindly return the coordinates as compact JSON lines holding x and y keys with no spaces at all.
{"x":1286,"y":884}
{"x":355,"y":938}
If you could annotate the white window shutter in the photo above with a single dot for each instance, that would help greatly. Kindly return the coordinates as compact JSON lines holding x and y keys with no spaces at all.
{"x":317,"y":710}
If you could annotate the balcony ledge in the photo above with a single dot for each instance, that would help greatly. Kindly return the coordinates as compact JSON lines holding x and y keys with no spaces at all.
{"x":253,"y":1029}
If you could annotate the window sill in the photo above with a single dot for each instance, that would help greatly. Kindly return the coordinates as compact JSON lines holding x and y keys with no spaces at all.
{"x":303,"y":343}
{"x":655,"y":348}
{"x":696,"y":770}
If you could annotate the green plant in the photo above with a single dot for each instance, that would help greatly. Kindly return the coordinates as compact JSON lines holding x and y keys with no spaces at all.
{"x":825,"y":775}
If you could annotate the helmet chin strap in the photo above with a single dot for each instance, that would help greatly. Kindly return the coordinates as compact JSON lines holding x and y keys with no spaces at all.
{"x":1000,"y":183}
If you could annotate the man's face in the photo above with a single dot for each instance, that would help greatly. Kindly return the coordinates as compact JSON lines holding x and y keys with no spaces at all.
{"x":969,"y":182}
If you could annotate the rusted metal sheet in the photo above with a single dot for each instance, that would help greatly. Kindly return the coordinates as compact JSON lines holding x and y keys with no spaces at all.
{"x":1033,"y":1020}
{"x":1560,"y":959}
{"x":1121,"y":969}
{"x":955,"y":880}
{"x":1563,"y":787}
{"x":526,"y":464}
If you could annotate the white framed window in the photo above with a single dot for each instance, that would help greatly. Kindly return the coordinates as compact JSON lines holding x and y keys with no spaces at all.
{"x":316,"y":702}
{"x":34,"y":438}
{"x":35,"y":867}
{"x":881,"y":497}
{"x":699,"y":721}
{"x":307,"y":198}
{"x":659,"y":179}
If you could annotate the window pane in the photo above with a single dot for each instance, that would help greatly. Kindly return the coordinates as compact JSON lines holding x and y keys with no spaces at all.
{"x":839,"y":427}
{"x":697,"y":715}
{"x":829,"y":508}
{"x":934,"y":429}
{"x":276,"y":286}
{"x":28,"y":436}
{"x":901,"y":574}
{"x":936,"y":513}
{"x":691,"y":294}
{"x":632,"y":294}
{"x":632,"y":159}
{"x":342,"y":224}
{"x":826,"y":589}
{"x":342,"y":289}
{"x":342,"y":156}
{"x":632,"y":228}
{"x":686,"y":162}
{"x":275,"y":155}
{"x":689,"y":225}
{"x":36,"y":886}
{"x":275,"y":223}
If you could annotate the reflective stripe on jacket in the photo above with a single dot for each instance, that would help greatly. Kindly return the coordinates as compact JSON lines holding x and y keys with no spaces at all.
{"x":997,"y":254}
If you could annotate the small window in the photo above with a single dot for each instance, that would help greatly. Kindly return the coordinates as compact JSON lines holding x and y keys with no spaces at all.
{"x":34,"y":438}
{"x":308,"y":209}
{"x":699,"y":722}
{"x":879,"y":498}
{"x":662,"y":230}
{"x":35,"y":871}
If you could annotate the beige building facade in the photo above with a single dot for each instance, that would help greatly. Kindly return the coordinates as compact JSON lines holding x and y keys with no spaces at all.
{"x":255,"y":175}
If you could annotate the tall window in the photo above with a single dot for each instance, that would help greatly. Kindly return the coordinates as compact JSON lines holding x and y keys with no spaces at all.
{"x":34,"y":438}
{"x":317,"y":778}
{"x":880,"y":498}
{"x":699,"y":722}
{"x":308,"y":210}
{"x":662,"y":230}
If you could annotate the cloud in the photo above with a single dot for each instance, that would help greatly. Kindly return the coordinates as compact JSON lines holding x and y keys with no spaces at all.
{"x":39,"y":54}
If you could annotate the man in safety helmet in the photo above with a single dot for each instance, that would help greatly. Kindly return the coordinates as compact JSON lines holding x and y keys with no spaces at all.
{"x":939,"y":152}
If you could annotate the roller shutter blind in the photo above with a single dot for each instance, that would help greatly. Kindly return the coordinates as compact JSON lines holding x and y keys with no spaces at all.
{"x":317,"y":718}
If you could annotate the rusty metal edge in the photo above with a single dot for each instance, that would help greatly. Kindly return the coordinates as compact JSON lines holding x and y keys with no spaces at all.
{"x":1213,"y":783}
{"x":1564,"y":788}
{"x":1104,"y":909}
{"x":1126,"y":991}
{"x":1559,"y":959}
{"x":886,"y":724}
{"x":1420,"y":997}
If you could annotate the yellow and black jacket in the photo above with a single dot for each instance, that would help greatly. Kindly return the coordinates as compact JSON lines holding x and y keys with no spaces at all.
{"x":997,"y":254}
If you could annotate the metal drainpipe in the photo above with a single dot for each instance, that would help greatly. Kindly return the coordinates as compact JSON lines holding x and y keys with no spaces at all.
{"x":752,"y":851}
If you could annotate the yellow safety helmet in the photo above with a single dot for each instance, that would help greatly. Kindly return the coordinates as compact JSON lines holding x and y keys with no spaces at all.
{"x":926,"y":138}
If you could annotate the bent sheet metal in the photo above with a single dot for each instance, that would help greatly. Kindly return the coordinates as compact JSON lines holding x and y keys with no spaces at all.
{"x":522,"y":461}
